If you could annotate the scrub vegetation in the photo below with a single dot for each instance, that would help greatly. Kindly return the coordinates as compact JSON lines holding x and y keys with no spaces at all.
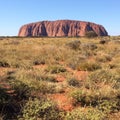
{"x":75,"y":78}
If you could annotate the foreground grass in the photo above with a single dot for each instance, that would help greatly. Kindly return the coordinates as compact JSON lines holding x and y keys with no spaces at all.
{"x":87,"y":71}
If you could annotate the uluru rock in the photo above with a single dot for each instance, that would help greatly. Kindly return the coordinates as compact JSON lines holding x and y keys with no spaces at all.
{"x":61,"y":28}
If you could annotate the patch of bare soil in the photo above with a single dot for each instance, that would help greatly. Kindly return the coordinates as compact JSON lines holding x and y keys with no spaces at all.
{"x":63,"y":101}
{"x":80,"y":75}
{"x":3,"y":70}
{"x":60,"y":78}
{"x":115,"y":116}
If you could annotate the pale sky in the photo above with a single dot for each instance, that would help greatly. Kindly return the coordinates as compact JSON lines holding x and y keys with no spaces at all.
{"x":15,"y":13}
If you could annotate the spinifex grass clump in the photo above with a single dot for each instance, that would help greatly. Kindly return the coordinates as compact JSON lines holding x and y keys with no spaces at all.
{"x":103,"y":76}
{"x":88,"y":66}
{"x":73,"y":82}
{"x":55,"y":69}
{"x":103,"y":58}
{"x":4,"y":64}
{"x":75,"y":44}
{"x":85,"y":98}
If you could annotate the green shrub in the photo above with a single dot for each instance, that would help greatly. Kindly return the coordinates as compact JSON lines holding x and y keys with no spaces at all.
{"x":48,"y":78}
{"x":88,"y":46}
{"x":40,"y":109}
{"x":102,"y":76}
{"x":103,"y":41}
{"x":38,"y":62}
{"x":112,"y":65}
{"x":25,"y":64}
{"x":55,"y":69}
{"x":88,"y":66}
{"x":77,"y":95}
{"x":4,"y":97}
{"x":31,"y":110}
{"x":75,"y":60}
{"x":9,"y":106}
{"x":21,"y":90}
{"x":46,"y":88}
{"x":24,"y":83}
{"x":73,"y":82}
{"x":88,"y":49}
{"x":88,"y":114}
{"x":108,"y":106}
{"x":4,"y":64}
{"x":85,"y":98}
{"x":75,"y":44}
{"x":90,"y":34}
{"x":37,"y":75}
{"x":104,"y":58}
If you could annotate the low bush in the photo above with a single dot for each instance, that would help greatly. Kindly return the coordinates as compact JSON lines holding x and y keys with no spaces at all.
{"x":90,"y":34}
{"x":88,"y":114}
{"x":103,"y":41}
{"x":88,"y":66}
{"x":75,"y":60}
{"x":4,"y":97}
{"x":55,"y":69}
{"x":88,"y":46}
{"x":103,"y":58}
{"x":45,"y":88}
{"x":75,"y":44}
{"x":21,"y":90}
{"x":37,"y":62}
{"x":85,"y":98}
{"x":4,"y":63}
{"x":102,"y":76}
{"x":40,"y":109}
{"x":88,"y":49}
{"x":9,"y":106}
{"x":108,"y":106}
{"x":73,"y":82}
{"x":25,"y":64}
{"x":48,"y":78}
{"x":37,"y":75}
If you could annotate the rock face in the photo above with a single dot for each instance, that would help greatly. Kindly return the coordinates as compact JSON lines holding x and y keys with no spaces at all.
{"x":61,"y":28}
